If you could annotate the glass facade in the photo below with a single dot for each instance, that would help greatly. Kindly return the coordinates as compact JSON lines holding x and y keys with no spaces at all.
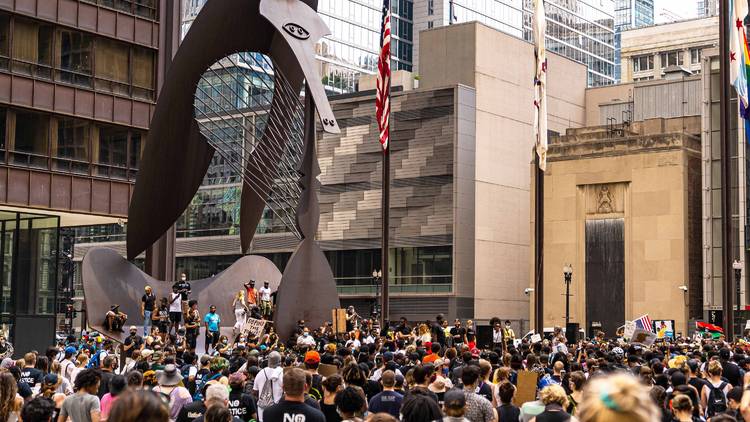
{"x":582,"y":30}
{"x":630,"y":14}
{"x":28,"y":261}
{"x":353,"y":46}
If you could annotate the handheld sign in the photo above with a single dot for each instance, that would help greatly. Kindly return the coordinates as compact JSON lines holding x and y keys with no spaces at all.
{"x":629,"y":330}
{"x":643,"y":337}
{"x":536,"y":338}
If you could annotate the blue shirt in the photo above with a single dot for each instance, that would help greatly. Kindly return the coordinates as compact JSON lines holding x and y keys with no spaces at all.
{"x":387,"y":401}
{"x":213,"y":320}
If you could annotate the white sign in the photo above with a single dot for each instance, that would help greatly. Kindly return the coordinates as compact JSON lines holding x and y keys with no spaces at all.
{"x":629,"y":330}
{"x":255,"y":326}
{"x":747,"y":325}
{"x":643,"y":337}
{"x":536,"y":338}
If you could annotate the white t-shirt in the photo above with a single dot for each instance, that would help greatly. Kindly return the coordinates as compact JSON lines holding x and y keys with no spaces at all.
{"x":175,"y":306}
{"x":265,"y":294}
{"x":276,"y":377}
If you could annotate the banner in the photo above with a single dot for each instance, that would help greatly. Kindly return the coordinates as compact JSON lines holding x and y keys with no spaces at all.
{"x":643,"y":337}
{"x":629,"y":330}
{"x":664,"y":328}
{"x":255,"y":326}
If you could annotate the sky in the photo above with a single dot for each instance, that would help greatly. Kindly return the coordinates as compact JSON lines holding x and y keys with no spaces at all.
{"x":684,"y":8}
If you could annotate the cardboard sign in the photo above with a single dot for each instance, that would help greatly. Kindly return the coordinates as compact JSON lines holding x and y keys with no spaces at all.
{"x":327,"y":370}
{"x":255,"y":326}
{"x":338,"y":319}
{"x":536,"y":338}
{"x":629,"y":330}
{"x":643,"y":337}
{"x":525,"y":387}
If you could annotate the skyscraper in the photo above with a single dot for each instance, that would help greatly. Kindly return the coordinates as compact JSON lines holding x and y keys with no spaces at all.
{"x":707,"y":8}
{"x":630,"y":14}
{"x":583,"y":30}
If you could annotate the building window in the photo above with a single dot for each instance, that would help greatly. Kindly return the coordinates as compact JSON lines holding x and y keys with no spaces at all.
{"x":430,"y":7}
{"x":74,"y":57}
{"x":71,"y":148}
{"x":113,"y":152}
{"x":143,"y":8}
{"x":112,"y":66}
{"x":32,"y":48}
{"x":429,"y":24}
{"x":4,"y":40}
{"x":31,"y":133}
{"x":671,"y":58}
{"x":643,"y":63}
{"x":645,"y":78}
{"x":143,"y":73}
{"x":695,"y":55}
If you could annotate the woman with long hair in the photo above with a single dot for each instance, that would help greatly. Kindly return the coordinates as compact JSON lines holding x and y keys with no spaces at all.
{"x":331,"y":385}
{"x":50,"y":389}
{"x":240,"y":311}
{"x":65,"y":387}
{"x":424,"y":334}
{"x":616,"y":398}
{"x":139,"y":406}
{"x":10,"y":401}
{"x":81,"y":361}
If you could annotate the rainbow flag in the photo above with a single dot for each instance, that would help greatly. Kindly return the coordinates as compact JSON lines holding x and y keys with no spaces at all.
{"x":739,"y":54}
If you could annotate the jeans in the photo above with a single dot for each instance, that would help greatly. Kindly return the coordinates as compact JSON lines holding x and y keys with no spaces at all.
{"x":146,"y":323}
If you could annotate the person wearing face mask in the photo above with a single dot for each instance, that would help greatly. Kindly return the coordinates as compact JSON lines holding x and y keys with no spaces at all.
{"x":305,"y":341}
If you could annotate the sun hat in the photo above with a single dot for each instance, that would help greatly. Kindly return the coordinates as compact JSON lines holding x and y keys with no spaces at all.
{"x":169,"y":376}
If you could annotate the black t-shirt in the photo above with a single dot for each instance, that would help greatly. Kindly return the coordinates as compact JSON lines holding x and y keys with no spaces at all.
{"x":470,"y":335}
{"x":292,"y":411}
{"x":191,"y":411}
{"x":24,"y":390}
{"x":242,"y":405}
{"x":438,"y":333}
{"x":330,"y":413}
{"x":104,"y":383}
{"x":31,"y":376}
{"x":508,"y":412}
{"x":183,"y":287}
{"x":136,"y":341}
{"x":148,"y":302}
{"x":458,"y":334}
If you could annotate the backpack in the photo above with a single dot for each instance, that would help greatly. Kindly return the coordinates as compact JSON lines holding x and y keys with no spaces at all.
{"x":265,"y":398}
{"x":315,"y":387}
{"x":717,"y":400}
{"x":185,"y":372}
{"x":94,"y":362}
{"x":200,"y":381}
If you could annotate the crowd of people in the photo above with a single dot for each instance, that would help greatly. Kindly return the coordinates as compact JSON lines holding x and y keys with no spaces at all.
{"x":409,"y":372}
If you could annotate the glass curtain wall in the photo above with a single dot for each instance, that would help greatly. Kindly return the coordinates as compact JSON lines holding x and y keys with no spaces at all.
{"x":28,"y":283}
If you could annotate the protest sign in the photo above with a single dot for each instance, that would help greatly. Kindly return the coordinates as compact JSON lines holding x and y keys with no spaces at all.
{"x":643,"y":337}
{"x":536,"y":338}
{"x":629,"y":330}
{"x":526,"y":387}
{"x":255,"y":326}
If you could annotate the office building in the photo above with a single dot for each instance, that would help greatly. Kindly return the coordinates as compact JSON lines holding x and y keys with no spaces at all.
{"x":647,"y":52}
{"x":583,"y":30}
{"x":630,"y":14}
{"x":706,"y":8}
{"x":78,"y":82}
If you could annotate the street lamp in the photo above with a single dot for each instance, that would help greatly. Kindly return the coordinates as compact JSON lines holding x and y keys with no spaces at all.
{"x":377,"y":277}
{"x":684,"y":290}
{"x":737,"y":266}
{"x":568,"y":273}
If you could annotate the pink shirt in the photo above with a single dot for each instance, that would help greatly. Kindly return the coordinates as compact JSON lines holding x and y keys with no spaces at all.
{"x":105,"y":405}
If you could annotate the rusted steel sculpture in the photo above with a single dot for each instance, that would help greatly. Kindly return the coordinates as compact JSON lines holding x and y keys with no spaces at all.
{"x":267,"y":139}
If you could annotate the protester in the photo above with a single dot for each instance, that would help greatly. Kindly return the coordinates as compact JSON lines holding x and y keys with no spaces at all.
{"x":418,"y":407}
{"x":139,"y":406}
{"x":117,"y":385}
{"x":170,"y":382}
{"x":454,"y":406}
{"x":387,"y":401}
{"x":83,"y":406}
{"x":331,"y":386}
{"x":616,"y":398}
{"x":268,"y":384}
{"x":39,"y":409}
{"x":555,"y":401}
{"x":10,"y":401}
{"x":293,"y":408}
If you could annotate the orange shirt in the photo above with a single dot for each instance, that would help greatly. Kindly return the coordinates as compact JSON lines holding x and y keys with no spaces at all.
{"x":432,"y":357}
{"x":252,"y":296}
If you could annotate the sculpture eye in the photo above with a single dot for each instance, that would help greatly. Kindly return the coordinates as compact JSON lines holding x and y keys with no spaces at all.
{"x":296,"y":31}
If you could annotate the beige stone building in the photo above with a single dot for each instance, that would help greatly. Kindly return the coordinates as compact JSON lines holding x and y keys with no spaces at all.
{"x":648,"y":51}
{"x":623,"y":207}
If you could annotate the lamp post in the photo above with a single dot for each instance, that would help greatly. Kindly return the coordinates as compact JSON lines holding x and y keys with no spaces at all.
{"x":737,"y":267}
{"x":568,"y":273}
{"x":684,"y":290}
{"x":377,"y":277}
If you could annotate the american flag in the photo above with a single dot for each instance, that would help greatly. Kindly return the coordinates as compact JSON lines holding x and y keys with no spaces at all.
{"x":383,"y":95}
{"x":644,"y":323}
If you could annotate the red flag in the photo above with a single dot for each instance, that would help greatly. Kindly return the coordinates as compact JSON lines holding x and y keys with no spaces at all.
{"x":383,"y":95}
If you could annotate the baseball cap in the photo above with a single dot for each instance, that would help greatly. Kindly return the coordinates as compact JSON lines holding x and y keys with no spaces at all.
{"x":454,"y":399}
{"x":50,"y":379}
{"x":70,"y":350}
{"x":312,"y":357}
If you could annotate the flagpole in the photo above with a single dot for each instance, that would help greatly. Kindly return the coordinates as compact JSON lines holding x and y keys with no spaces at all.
{"x":386,"y":204}
{"x":538,"y":246}
{"x":726,"y":173}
